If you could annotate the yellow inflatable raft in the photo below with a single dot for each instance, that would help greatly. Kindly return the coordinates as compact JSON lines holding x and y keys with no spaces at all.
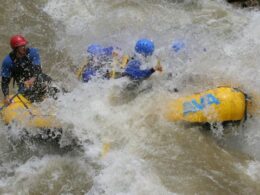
{"x":25,"y":114}
{"x":215,"y":105}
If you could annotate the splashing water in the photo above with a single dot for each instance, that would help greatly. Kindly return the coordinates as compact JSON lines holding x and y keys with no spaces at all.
{"x":145,"y":154}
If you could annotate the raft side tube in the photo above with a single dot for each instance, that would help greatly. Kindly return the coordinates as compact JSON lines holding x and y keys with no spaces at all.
{"x":22,"y":112}
{"x":215,"y":105}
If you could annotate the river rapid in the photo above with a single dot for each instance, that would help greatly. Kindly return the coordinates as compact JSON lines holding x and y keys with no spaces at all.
{"x":127,"y":146}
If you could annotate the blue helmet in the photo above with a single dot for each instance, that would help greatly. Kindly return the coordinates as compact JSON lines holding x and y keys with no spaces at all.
{"x":178,"y":45}
{"x":94,"y":49}
{"x":144,"y":47}
{"x":107,"y":51}
{"x":98,"y":50}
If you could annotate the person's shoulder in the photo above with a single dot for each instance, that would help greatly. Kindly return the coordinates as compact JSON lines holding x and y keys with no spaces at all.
{"x":134,"y":62}
{"x":7,"y":60}
{"x":33,"y":54}
{"x":33,"y":51}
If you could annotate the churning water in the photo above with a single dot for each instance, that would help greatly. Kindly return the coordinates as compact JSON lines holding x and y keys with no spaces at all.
{"x":128,"y":147}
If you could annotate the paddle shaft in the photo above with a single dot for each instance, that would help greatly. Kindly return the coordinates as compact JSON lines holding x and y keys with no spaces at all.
{"x":25,"y":105}
{"x":10,"y":102}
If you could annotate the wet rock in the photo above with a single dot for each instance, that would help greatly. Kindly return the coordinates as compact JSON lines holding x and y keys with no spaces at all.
{"x":246,"y":3}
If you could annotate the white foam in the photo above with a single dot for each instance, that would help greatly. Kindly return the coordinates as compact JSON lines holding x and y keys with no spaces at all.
{"x":219,"y":51}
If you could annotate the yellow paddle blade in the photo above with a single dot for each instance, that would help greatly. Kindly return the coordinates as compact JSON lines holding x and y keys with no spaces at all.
{"x":82,"y":67}
{"x":158,"y":62}
{"x":105,"y":149}
{"x":113,"y":65}
{"x":113,"y":74}
{"x":158,"y":65}
{"x":124,"y":61}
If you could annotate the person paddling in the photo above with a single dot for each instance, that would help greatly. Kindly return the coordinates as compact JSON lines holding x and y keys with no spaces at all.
{"x":102,"y":62}
{"x":133,"y":70}
{"x":135,"y":73}
{"x":23,"y":64}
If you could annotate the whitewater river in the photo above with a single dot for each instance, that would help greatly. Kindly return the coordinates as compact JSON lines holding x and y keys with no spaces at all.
{"x":128,"y":147}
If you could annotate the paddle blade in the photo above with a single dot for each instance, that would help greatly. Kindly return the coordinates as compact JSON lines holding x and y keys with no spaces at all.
{"x":105,"y":149}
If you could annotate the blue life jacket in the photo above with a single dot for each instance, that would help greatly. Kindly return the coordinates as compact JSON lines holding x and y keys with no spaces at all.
{"x":88,"y":74}
{"x":134,"y":72}
{"x":91,"y":72}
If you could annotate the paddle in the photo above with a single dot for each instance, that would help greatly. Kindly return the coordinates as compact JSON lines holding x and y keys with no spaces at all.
{"x":10,"y":100}
{"x":105,"y":149}
{"x":82,"y":67}
{"x":119,"y":61}
{"x":25,"y":105}
{"x":158,"y":66}
{"x":114,"y":63}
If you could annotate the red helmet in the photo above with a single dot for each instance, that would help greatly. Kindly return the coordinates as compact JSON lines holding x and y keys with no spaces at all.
{"x":17,"y":41}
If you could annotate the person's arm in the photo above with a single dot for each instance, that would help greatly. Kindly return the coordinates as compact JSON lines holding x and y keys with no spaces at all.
{"x":37,"y":71}
{"x":134,"y":72}
{"x":6,"y":77}
{"x":36,"y":61}
{"x":144,"y":74}
{"x":5,"y":86}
